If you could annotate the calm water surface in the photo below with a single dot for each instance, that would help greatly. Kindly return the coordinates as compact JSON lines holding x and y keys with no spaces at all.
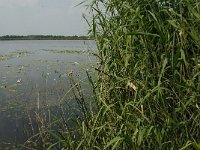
{"x":35,"y":73}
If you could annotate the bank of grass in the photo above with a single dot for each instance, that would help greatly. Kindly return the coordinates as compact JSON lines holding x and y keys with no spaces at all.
{"x":147,"y":84}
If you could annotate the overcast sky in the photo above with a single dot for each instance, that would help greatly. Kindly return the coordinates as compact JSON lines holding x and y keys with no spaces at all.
{"x":28,"y":17}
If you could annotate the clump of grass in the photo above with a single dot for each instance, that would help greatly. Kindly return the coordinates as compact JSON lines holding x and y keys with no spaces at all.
{"x":148,"y":80}
{"x":148,"y":84}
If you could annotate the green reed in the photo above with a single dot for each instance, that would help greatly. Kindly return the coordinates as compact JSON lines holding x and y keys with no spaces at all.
{"x":148,"y":80}
{"x":147,"y":83}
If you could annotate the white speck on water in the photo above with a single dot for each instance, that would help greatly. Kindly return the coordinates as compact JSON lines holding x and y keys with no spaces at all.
{"x":19,"y":80}
{"x":76,"y":63}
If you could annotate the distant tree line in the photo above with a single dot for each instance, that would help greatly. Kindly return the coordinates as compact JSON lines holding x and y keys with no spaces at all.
{"x":44,"y":37}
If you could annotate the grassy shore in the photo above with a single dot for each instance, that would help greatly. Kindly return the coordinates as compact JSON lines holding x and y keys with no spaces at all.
{"x":147,"y":84}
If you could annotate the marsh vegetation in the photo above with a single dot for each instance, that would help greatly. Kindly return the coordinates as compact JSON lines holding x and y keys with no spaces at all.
{"x":146,"y":85}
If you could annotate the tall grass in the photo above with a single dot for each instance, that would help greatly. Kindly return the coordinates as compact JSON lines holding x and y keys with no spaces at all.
{"x":147,"y":84}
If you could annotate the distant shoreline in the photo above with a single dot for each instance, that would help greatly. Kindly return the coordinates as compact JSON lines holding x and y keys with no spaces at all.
{"x":43,"y":37}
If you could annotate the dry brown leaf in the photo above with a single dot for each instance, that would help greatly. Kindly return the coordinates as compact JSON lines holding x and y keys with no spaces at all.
{"x":131,"y":85}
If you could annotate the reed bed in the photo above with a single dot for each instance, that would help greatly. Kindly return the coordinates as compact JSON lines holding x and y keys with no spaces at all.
{"x":147,"y":84}
{"x":148,"y":81}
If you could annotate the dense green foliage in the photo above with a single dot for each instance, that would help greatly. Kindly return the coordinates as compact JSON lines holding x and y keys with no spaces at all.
{"x":43,"y":37}
{"x":147,"y":85}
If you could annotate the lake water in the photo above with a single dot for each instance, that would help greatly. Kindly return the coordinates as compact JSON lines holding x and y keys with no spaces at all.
{"x":35,"y":74}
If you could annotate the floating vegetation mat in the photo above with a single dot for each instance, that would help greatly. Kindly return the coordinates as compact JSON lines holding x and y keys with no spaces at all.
{"x":15,"y":54}
{"x":64,"y":51}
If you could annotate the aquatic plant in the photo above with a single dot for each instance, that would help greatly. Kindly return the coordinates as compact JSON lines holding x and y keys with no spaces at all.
{"x":64,"y":51}
{"x":147,"y":84}
{"x":16,"y":54}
